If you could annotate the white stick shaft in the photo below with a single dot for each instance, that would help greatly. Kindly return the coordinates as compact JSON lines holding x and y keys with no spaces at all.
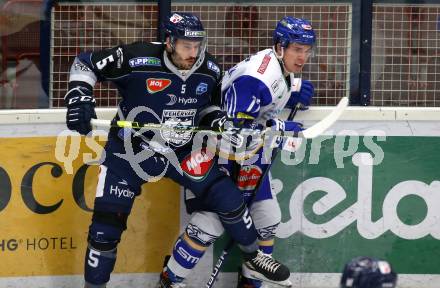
{"x":101,"y":123}
{"x":309,"y":133}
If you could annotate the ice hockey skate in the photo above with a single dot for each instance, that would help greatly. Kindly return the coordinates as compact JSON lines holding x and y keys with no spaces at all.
{"x":168,"y":280}
{"x":244,"y":282}
{"x":263,"y":267}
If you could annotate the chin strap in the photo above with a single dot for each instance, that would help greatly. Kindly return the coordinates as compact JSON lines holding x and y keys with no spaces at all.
{"x":280,"y":59}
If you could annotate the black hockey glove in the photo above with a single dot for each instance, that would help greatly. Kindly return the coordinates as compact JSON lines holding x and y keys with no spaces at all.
{"x":212,"y":118}
{"x":239,"y":135}
{"x":80,"y":109}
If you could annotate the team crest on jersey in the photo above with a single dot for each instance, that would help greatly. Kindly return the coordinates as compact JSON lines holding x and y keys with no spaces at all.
{"x":249,"y":177}
{"x":177,"y":119}
{"x":157,"y":84}
{"x":264,"y":64}
{"x":212,"y":66}
{"x":201,"y":88}
{"x":197,"y":164}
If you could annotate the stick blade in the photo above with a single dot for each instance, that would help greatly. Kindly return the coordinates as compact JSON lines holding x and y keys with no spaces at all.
{"x":320,"y":127}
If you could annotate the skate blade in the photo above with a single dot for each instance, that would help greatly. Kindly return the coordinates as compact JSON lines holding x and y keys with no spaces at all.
{"x":286,"y":283}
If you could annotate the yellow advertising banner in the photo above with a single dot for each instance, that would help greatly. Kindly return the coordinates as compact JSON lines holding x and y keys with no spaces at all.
{"x":45,"y":211}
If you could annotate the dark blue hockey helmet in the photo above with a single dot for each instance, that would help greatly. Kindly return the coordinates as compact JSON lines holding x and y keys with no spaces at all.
{"x":293,"y":30}
{"x":366,"y":272}
{"x":185,"y":26}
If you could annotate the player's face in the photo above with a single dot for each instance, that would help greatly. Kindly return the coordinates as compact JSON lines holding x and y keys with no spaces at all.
{"x":186,"y":53}
{"x":295,"y":56}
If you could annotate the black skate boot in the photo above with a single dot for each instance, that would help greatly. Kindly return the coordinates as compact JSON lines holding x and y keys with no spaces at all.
{"x":263,"y":267}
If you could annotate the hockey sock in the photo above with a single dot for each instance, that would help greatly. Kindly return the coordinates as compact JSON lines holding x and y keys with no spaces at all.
{"x":266,"y":246}
{"x":186,"y":254}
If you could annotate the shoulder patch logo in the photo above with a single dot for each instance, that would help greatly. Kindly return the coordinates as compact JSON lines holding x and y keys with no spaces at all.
{"x":212,"y":66}
{"x":264,"y":64}
{"x":157,"y":84}
{"x":201,"y":88}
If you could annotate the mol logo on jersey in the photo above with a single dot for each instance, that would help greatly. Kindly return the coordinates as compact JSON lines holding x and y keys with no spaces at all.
{"x":248,"y":177}
{"x":197,"y":164}
{"x":155,"y":84}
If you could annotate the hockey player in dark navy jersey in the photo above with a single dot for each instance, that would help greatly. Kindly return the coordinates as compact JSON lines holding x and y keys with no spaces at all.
{"x":254,"y":92}
{"x":171,"y":84}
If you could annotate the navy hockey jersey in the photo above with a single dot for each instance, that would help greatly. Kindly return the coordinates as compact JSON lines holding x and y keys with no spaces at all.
{"x":153,"y":90}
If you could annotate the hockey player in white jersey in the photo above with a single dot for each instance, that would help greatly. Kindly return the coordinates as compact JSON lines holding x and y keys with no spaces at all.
{"x":253,"y":93}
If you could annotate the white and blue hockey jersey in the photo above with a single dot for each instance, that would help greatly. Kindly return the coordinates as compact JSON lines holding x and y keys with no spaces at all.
{"x":256,"y":89}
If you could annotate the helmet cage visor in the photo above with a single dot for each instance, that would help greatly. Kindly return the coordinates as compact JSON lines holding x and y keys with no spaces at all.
{"x":201,"y":40}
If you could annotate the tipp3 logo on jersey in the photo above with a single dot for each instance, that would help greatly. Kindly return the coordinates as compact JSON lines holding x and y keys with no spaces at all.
{"x":197,"y":164}
{"x":157,"y":84}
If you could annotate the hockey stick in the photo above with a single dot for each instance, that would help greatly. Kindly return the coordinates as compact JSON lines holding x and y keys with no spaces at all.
{"x":320,"y":127}
{"x":164,"y":127}
{"x":236,"y":156}
{"x":154,"y":126}
{"x":309,"y":133}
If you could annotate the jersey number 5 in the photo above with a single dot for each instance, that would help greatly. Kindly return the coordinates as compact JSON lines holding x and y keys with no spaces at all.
{"x":93,"y":260}
{"x":101,"y":64}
